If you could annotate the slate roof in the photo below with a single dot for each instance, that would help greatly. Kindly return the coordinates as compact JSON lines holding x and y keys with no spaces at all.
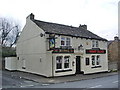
{"x":60,"y":29}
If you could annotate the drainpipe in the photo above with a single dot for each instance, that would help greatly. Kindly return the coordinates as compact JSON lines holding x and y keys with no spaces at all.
{"x":52,"y":67}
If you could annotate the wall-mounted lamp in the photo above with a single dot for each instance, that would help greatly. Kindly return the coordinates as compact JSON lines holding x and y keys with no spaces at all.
{"x":41,"y":34}
{"x":80,"y":47}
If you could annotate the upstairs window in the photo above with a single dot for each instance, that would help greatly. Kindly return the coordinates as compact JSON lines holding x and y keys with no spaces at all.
{"x":95,"y":44}
{"x":62,"y":41}
{"x":67,"y":41}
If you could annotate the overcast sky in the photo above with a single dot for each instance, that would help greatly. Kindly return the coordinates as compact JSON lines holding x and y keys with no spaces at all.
{"x":101,"y":16}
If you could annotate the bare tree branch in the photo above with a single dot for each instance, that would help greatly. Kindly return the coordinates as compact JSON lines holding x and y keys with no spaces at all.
{"x":9,"y":32}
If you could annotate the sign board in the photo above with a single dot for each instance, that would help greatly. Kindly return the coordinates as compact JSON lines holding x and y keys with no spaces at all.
{"x":52,"y":41}
{"x":91,"y":51}
{"x":58,"y":50}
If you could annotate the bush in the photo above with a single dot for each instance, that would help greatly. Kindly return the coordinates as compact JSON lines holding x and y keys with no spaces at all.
{"x":8,"y":52}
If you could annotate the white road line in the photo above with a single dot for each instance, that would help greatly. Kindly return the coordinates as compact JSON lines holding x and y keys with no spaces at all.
{"x":45,"y":84}
{"x":96,"y":86}
{"x":115,"y":82}
{"x":27,"y":86}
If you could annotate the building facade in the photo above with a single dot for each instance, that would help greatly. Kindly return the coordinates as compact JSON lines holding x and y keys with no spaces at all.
{"x":113,"y":53}
{"x":51,"y":49}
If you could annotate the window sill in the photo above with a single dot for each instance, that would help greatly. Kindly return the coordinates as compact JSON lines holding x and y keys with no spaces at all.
{"x":63,"y":70}
{"x":96,"y":67}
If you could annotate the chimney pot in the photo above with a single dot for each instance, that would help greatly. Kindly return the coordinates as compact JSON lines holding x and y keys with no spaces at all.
{"x":83,"y":26}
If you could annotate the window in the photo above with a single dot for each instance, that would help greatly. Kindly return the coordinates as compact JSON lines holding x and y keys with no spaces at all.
{"x":87,"y":61}
{"x":62,"y":41}
{"x":93,"y":60}
{"x":66,"y":62}
{"x":67,"y":41}
{"x":93,"y":43}
{"x":59,"y":62}
{"x":96,"y":43}
{"x":98,"y":60}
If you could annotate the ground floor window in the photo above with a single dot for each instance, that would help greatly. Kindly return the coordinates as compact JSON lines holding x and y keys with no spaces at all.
{"x":59,"y":62}
{"x":95,"y":60}
{"x":62,"y":62}
{"x":66,"y":62}
{"x":87,"y":61}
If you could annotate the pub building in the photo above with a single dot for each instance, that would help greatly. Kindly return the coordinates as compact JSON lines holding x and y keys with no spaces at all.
{"x":52,"y":49}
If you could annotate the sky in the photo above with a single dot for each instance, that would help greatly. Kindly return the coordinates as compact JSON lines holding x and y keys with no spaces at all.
{"x":100,"y":16}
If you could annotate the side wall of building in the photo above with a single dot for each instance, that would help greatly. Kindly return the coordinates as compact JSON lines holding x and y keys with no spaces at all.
{"x":31,"y":51}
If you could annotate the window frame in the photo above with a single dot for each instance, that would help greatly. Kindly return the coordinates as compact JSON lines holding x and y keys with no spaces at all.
{"x":93,"y":63}
{"x":96,"y":60}
{"x":65,"y":41}
{"x":60,"y":63}
{"x":87,"y":61}
{"x":68,"y":41}
{"x":95,"y":43}
{"x":67,"y":63}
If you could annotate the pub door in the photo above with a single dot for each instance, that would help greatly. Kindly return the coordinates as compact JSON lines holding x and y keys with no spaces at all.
{"x":78,"y":67}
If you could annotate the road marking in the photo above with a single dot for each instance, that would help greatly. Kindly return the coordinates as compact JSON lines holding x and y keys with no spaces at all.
{"x":45,"y":84}
{"x":27,"y":86}
{"x":96,"y":86}
{"x":115,"y":82}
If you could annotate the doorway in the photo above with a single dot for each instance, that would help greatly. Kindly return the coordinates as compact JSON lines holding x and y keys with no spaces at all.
{"x":78,"y":66}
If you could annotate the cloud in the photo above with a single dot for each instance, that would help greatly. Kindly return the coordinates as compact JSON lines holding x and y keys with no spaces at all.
{"x":99,"y":15}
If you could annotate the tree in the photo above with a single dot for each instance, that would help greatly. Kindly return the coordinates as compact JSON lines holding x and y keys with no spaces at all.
{"x":9,"y":32}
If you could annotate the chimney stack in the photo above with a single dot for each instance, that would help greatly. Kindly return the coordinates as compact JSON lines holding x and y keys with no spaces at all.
{"x":83,"y":26}
{"x":116,"y":38}
{"x":31,"y":16}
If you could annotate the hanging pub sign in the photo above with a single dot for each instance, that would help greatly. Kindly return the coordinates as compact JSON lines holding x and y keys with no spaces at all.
{"x":92,"y":51}
{"x":51,"y":41}
{"x":59,"y":50}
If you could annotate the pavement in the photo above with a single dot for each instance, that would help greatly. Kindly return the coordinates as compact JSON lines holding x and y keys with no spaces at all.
{"x":52,"y":80}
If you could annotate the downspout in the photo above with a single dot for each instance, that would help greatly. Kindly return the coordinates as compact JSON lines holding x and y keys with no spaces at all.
{"x":52,"y":67}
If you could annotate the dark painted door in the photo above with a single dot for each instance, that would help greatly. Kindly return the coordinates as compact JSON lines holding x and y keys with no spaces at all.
{"x":78,"y":64}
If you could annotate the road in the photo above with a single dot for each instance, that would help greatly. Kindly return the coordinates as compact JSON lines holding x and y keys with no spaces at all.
{"x":9,"y":81}
{"x":104,"y":82}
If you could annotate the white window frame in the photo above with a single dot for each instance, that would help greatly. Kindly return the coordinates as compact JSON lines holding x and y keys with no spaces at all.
{"x":61,"y":62}
{"x":68,"y":62}
{"x":95,"y":44}
{"x":68,"y":40}
{"x":95,"y":60}
{"x":65,"y":41}
{"x":98,"y":59}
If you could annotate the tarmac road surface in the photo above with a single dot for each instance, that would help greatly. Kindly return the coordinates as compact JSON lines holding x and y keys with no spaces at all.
{"x":103,"y":82}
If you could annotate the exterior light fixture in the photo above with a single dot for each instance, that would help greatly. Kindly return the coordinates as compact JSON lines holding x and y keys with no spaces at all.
{"x":41,"y":34}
